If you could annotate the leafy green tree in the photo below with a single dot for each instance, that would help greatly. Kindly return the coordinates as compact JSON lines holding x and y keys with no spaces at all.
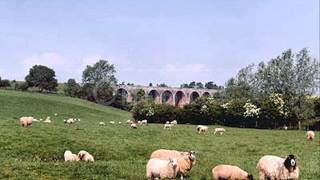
{"x":192,"y":84}
{"x":72,"y":88}
{"x":199,"y":85}
{"x":211,"y":85}
{"x":42,"y":77}
{"x":100,"y":71}
{"x":185,"y":85}
{"x":104,"y":92}
{"x":139,"y":95}
{"x":163,"y":85}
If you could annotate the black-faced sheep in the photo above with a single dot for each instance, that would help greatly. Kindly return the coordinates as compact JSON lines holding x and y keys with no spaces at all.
{"x":85,"y":156}
{"x":277,"y":168}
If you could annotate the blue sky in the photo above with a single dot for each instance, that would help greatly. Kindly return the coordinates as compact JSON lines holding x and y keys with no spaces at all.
{"x":167,"y":41}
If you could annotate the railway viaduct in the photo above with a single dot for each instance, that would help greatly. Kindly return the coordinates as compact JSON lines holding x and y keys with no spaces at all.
{"x":169,"y":95}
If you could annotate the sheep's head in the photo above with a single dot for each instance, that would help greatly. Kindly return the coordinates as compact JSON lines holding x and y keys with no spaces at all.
{"x":82,"y":154}
{"x":250,"y":177}
{"x":173,"y":162}
{"x":290,"y":163}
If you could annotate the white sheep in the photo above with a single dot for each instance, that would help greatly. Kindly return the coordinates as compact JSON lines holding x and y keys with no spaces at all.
{"x":55,"y":114}
{"x":174,"y":122}
{"x":47,"y":120}
{"x":285,"y":127}
{"x":230,"y":172}
{"x":185,"y":160}
{"x":112,"y":122}
{"x":157,"y":168}
{"x":202,"y":128}
{"x":144,"y":122}
{"x":85,"y":156}
{"x":139,"y":122}
{"x":219,"y":130}
{"x":274,"y":168}
{"x":129,"y":121}
{"x":167,"y":126}
{"x":68,"y":156}
{"x":310,"y":135}
{"x":26,"y":121}
{"x":102,"y":124}
{"x":134,"y":126}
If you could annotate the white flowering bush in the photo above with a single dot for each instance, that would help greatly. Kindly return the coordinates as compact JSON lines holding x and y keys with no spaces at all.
{"x":278,"y":102}
{"x":251,"y":110}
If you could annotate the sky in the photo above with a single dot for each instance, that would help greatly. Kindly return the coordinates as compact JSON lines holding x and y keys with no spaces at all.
{"x":167,"y":41}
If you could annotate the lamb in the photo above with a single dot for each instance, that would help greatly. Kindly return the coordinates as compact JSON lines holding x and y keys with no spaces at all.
{"x":219,"y":130}
{"x":102,"y":124}
{"x":230,"y":172}
{"x":68,"y":156}
{"x":202,"y":128}
{"x":167,"y":126}
{"x":186,"y":160}
{"x":277,"y":168}
{"x":144,"y":122}
{"x":174,"y":122}
{"x":310,"y":135}
{"x":157,"y":168}
{"x":26,"y":121}
{"x":85,"y":156}
{"x":134,"y":126}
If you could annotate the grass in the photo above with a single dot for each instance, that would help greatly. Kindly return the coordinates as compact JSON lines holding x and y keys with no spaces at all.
{"x":36,"y":152}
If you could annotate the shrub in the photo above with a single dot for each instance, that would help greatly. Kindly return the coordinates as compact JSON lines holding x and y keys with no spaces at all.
{"x":72,"y":88}
{"x":22,"y":86}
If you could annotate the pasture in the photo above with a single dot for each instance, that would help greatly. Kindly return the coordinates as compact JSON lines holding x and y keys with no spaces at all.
{"x":36,"y":152}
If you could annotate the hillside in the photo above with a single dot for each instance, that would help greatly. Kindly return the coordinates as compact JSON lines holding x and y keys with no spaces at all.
{"x":36,"y":152}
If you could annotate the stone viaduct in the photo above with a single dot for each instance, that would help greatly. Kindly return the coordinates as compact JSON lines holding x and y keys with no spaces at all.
{"x":169,"y":95}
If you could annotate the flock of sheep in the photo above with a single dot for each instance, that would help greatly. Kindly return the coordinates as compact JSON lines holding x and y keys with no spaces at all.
{"x":172,"y":163}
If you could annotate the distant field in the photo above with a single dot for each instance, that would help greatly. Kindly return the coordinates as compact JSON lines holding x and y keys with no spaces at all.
{"x":122,"y":153}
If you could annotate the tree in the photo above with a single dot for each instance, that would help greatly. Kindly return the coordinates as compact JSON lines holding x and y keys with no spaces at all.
{"x":138,"y":95}
{"x":199,"y":85}
{"x":42,"y":77}
{"x":100,"y":71}
{"x":103,"y":92}
{"x":185,"y":85}
{"x":192,"y":84}
{"x":162,"y":85}
{"x":210,"y":85}
{"x":72,"y":88}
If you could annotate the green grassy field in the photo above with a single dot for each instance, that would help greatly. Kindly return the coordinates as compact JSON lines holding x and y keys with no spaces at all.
{"x":36,"y":152}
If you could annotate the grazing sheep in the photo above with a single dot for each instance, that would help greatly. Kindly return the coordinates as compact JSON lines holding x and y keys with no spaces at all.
{"x":139,"y":122}
{"x":167,"y":126}
{"x":26,"y":121}
{"x":119,"y":122}
{"x":174,"y":122}
{"x":285,"y":127}
{"x":167,"y":122}
{"x":144,"y":122}
{"x":47,"y":120}
{"x":219,"y":130}
{"x":230,"y":172}
{"x":310,"y":135}
{"x":85,"y":156}
{"x":68,"y":156}
{"x":202,"y":128}
{"x":277,"y":168}
{"x":102,"y":124}
{"x":69,"y":121}
{"x":112,"y":122}
{"x":134,"y":126}
{"x":129,"y":121}
{"x":186,"y":160}
{"x":55,"y":114}
{"x":157,"y":168}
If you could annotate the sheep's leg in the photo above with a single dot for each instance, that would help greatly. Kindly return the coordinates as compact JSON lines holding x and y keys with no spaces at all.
{"x":181,"y":177}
